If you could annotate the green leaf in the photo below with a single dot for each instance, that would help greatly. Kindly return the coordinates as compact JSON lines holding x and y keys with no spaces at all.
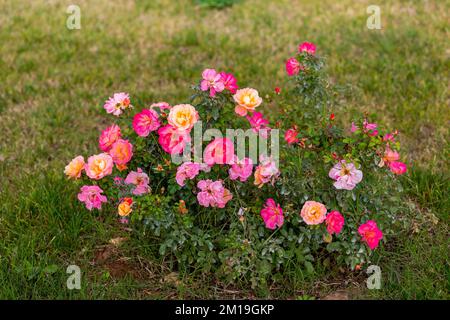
{"x":51,"y":269}
{"x":309,"y":267}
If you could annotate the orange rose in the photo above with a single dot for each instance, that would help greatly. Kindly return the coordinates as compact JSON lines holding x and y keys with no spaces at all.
{"x":183,"y":117}
{"x":390,"y":155}
{"x":125,"y":207}
{"x":313,"y":212}
{"x":247,"y":99}
{"x":121,"y":152}
{"x":75,"y":167}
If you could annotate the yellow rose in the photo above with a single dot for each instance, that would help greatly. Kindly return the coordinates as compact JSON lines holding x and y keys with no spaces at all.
{"x":125,"y":207}
{"x":183,"y":117}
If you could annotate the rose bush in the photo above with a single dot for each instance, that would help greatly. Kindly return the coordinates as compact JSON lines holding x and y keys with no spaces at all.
{"x":333,"y":195}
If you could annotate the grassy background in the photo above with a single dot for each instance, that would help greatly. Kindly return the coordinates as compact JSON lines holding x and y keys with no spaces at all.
{"x":53,"y":82}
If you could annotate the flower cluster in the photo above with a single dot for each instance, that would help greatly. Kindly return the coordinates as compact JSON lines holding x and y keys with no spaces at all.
{"x":389,"y":156}
{"x":173,"y":125}
{"x":213,"y":193}
{"x":318,"y":191}
{"x":214,"y":82}
{"x":293,"y":65}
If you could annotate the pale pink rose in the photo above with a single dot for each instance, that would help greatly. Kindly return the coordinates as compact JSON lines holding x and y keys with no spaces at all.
{"x":219,"y":151}
{"x":92,"y":197}
{"x":188,"y":170}
{"x":290,"y":136}
{"x":145,"y":122}
{"x":397,"y":167}
{"x":266,"y":171}
{"x":140,"y":180}
{"x":259,"y":124}
{"x":117,"y":103}
{"x":272,"y":214}
{"x":212,"y":81}
{"x":121,"y":152}
{"x":160,"y":105}
{"x":335,"y":222}
{"x":293,"y":67}
{"x":346,"y":175}
{"x":212,"y":193}
{"x":173,"y":141}
{"x":99,"y":166}
{"x":354,"y":127}
{"x":308,"y":47}
{"x":313,"y":212}
{"x":108,"y":137}
{"x":75,"y":167}
{"x":370,"y":233}
{"x":241,"y":169}
{"x":247,"y":100}
{"x":182,"y":117}
{"x":229,"y":82}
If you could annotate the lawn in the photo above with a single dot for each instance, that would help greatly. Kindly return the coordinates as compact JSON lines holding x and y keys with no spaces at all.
{"x":53,"y":82}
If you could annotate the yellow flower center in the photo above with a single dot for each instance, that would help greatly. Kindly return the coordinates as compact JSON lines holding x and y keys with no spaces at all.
{"x":101,"y":164}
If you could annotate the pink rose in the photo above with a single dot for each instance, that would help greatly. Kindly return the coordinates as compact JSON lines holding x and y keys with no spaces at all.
{"x":188,"y":170}
{"x":117,"y":103}
{"x":259,"y":124}
{"x":290,"y":136}
{"x":121,"y":152}
{"x":293,"y":67}
{"x":145,"y":122}
{"x":267,"y":171}
{"x":212,"y":193}
{"x":370,"y":128}
{"x":92,"y":197}
{"x":272,"y":214}
{"x":335,"y":222}
{"x":161,"y":105}
{"x":140,"y":180}
{"x":172,"y":140}
{"x":389,"y":137}
{"x":99,"y":166}
{"x":241,"y":169}
{"x":370,"y":234}
{"x":308,"y":47}
{"x":220,"y":151}
{"x":108,"y":137}
{"x":397,"y":167}
{"x":212,"y":81}
{"x":229,"y":82}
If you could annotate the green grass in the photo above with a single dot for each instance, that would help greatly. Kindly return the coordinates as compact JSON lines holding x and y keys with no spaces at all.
{"x":54,"y":80}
